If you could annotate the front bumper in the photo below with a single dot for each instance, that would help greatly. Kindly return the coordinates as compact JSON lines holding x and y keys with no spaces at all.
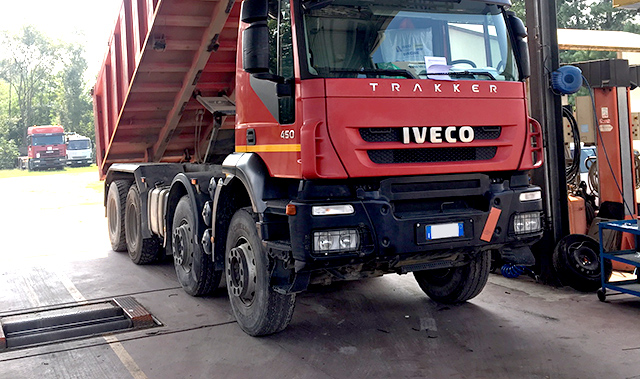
{"x":394,"y":220}
{"x":51,"y":162}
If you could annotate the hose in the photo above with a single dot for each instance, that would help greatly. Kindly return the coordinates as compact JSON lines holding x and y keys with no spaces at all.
{"x":572,"y":171}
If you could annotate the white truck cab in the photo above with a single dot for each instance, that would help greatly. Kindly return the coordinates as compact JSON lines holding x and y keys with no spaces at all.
{"x":79,"y":150}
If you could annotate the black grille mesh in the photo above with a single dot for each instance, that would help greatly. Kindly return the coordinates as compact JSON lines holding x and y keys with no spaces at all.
{"x":395,"y":134}
{"x":447,"y":154}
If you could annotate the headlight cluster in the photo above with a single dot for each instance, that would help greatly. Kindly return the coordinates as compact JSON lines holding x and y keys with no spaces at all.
{"x":336,"y":241}
{"x":529,"y":222}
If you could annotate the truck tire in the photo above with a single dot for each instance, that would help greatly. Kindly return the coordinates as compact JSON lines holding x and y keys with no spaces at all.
{"x":116,"y":202}
{"x":194,"y":268}
{"x":141,"y":250}
{"x":576,"y":259}
{"x":457,"y":284}
{"x":258,"y":309}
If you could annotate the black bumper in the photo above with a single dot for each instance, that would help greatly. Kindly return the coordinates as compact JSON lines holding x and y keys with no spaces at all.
{"x":392,"y":220}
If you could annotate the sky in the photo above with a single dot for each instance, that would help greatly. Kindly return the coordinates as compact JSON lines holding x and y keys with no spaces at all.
{"x":89,"y":22}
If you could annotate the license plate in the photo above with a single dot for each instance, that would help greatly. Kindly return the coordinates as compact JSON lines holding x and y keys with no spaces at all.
{"x":438,"y":231}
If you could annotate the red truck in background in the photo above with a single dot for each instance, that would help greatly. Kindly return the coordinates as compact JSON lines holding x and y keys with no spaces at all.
{"x":279,"y":143}
{"x":46,"y":148}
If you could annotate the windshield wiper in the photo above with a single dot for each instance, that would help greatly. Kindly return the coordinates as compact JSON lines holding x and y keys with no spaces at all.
{"x":467,"y":72}
{"x":375,"y":71}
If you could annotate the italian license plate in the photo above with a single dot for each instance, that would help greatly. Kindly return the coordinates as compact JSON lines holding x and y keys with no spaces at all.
{"x":450,"y":230}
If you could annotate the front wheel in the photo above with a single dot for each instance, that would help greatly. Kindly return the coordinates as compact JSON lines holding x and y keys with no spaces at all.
{"x":457,"y":284}
{"x":258,"y":309}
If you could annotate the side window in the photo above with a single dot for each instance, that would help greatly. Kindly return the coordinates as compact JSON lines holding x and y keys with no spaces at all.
{"x":281,"y":53}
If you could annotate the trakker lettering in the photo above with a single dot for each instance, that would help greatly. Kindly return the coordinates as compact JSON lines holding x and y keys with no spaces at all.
{"x":437,"y":87}
{"x":437,"y":134}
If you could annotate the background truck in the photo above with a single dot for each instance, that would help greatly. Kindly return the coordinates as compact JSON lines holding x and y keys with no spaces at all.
{"x":79,"y":150}
{"x":300,"y":141}
{"x":45,"y":148}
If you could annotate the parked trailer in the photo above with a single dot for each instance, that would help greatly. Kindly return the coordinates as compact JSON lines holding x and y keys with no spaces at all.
{"x":334,"y":140}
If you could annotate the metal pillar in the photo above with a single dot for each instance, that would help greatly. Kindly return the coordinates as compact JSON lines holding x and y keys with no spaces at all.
{"x":546,"y":108}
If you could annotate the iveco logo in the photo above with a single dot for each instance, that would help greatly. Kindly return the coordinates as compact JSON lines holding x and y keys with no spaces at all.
{"x":437,"y":134}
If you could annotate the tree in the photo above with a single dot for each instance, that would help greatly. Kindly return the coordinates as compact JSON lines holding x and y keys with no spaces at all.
{"x":587,"y":14}
{"x":75,"y":110}
{"x":27,"y":64}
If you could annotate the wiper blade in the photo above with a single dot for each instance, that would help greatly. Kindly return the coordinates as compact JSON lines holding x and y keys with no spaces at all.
{"x":467,"y":72}
{"x":376,"y":71}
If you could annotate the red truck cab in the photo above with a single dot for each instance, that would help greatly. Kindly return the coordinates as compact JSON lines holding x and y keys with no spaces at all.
{"x":46,"y":147}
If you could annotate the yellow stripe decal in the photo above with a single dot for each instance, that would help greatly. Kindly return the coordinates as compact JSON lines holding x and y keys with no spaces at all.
{"x":283,"y":148}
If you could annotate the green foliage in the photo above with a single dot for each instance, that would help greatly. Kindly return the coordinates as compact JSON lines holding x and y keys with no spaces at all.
{"x":8,"y":153}
{"x":587,"y":14}
{"x":41,"y":82}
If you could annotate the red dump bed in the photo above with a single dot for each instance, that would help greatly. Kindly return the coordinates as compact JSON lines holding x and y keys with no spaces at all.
{"x":160,"y":54}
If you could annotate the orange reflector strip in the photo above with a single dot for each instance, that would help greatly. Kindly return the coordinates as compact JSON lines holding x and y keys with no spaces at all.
{"x":291,"y":210}
{"x":490,"y":225}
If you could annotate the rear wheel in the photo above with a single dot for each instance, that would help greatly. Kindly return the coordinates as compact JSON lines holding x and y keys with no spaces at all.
{"x":116,"y":202}
{"x":258,"y":309}
{"x":457,"y":284}
{"x":194,"y":268}
{"x":141,"y":250}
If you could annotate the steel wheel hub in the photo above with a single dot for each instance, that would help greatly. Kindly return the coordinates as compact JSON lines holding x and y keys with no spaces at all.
{"x":241,"y":271}
{"x":585,"y":259}
{"x":183,"y":247}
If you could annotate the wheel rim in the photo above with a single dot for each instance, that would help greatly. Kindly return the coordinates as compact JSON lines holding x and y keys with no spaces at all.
{"x":241,"y":271}
{"x":584,"y":258}
{"x":439,"y":277}
{"x":183,"y":246}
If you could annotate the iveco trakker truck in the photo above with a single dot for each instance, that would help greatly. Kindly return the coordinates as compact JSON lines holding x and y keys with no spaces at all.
{"x":279,"y":143}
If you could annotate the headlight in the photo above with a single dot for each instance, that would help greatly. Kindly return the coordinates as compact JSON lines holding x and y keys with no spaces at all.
{"x":333,"y":241}
{"x":331,"y":210}
{"x":37,"y":155}
{"x":527,"y":223}
{"x":530,"y":196}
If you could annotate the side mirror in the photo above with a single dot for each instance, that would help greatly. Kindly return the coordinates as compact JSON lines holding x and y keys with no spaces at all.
{"x":254,"y":10}
{"x":255,"y":38}
{"x":521,"y":48}
{"x":255,"y":48}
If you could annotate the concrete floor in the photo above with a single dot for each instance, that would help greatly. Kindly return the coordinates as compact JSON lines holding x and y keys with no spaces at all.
{"x":55,"y":251}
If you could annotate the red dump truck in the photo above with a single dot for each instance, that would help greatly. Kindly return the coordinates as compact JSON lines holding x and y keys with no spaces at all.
{"x":281,"y":143}
{"x":45,"y":148}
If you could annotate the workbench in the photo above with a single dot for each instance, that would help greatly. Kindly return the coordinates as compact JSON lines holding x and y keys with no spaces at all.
{"x":630,"y":257}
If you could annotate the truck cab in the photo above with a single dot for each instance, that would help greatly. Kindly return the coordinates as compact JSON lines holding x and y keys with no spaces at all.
{"x":79,"y":150}
{"x":46,"y":147}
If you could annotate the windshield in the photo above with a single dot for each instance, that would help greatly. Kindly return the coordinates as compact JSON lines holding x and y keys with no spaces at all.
{"x":79,"y":144}
{"x":408,"y":39}
{"x":41,"y":140}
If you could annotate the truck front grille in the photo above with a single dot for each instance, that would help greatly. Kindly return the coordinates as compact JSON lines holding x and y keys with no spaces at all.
{"x":395,"y":134}
{"x":424,"y":155}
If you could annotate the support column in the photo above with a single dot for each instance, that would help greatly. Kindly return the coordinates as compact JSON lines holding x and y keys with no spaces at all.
{"x":546,"y":108}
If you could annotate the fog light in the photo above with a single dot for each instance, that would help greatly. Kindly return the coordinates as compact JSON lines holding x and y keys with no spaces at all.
{"x":332,"y":241}
{"x":527,"y":223}
{"x":530,"y":196}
